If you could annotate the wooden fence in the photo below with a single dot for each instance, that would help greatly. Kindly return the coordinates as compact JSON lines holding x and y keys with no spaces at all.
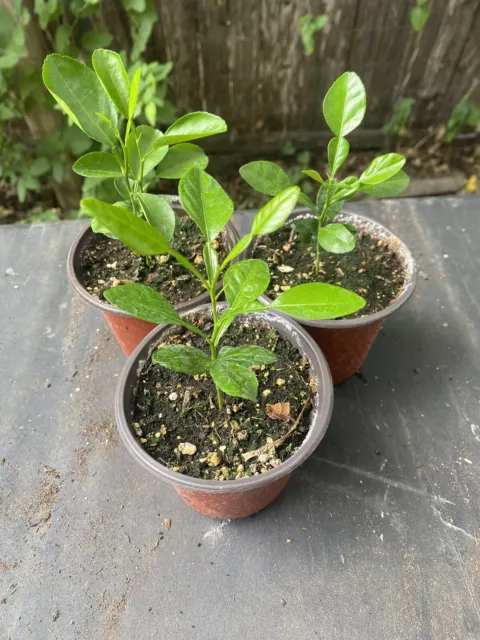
{"x":244,"y":60}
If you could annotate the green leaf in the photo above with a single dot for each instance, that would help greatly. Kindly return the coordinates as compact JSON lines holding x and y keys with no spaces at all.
{"x":139,"y":6}
{"x":317,"y":301}
{"x":382,"y":168}
{"x":388,"y":189}
{"x":98,"y":228}
{"x":92,"y":40}
{"x":210,"y":258}
{"x":306,"y":228}
{"x":309,"y":25}
{"x":338,"y":149}
{"x":21,"y":190}
{"x":45,"y":10}
{"x":345,"y":189}
{"x":239,"y":248}
{"x":151,"y":113}
{"x":39,"y":167}
{"x":345,"y":104}
{"x":193,"y":126}
{"x":97,"y":164}
{"x":311,"y":173}
{"x":183,"y":358}
{"x":234,"y":379}
{"x":304,"y":199}
{"x":266,"y":177}
{"x":158,"y":213}
{"x":247,"y":356}
{"x":205,"y":202}
{"x":63,"y":43}
{"x":121,"y":187}
{"x":141,"y":28}
{"x":418,"y":17}
{"x":79,"y":92}
{"x":133,"y":96}
{"x":135,"y":233}
{"x":109,"y":68}
{"x":245,"y":281}
{"x":180,"y":159}
{"x":139,"y":146}
{"x":275,"y":213}
{"x":336,"y":238}
{"x":143,"y":302}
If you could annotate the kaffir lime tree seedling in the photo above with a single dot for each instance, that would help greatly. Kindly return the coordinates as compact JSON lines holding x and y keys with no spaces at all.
{"x":243,"y":282}
{"x":102,"y":102}
{"x":344,"y":109}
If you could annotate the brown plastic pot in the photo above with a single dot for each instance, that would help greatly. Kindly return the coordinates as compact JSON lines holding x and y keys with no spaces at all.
{"x":246,"y":496}
{"x":129,"y":331}
{"x":347,"y":341}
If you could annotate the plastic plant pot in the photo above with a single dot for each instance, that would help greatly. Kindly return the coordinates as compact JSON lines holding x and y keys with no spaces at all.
{"x":245,"y":496}
{"x":129,"y":331}
{"x":346,"y":342}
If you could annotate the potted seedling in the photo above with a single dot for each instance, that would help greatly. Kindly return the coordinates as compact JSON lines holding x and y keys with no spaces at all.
{"x":189,"y":406}
{"x":103,"y":103}
{"x":323,"y":243}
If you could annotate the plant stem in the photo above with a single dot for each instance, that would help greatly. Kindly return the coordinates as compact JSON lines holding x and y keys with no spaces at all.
{"x":321,"y":221}
{"x":213,"y":349}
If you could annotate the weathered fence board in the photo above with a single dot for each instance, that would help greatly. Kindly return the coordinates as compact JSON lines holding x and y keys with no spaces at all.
{"x":244,"y":60}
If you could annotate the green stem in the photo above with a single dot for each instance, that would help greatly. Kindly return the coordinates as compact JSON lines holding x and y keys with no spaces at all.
{"x":213,"y":349}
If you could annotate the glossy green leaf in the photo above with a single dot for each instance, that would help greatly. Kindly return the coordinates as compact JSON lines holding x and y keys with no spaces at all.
{"x":388,"y":189}
{"x":247,"y":356}
{"x":345,"y":189}
{"x":275,"y":213}
{"x":245,"y":281}
{"x":205,"y":202}
{"x":239,"y":248}
{"x":210,"y":258}
{"x":317,"y":301}
{"x":311,"y":173}
{"x":382,"y":168}
{"x":80,"y":93}
{"x":193,"y":126}
{"x":181,"y":357}
{"x":158,"y":213}
{"x":229,"y":315}
{"x":109,"y":68}
{"x":338,"y":149}
{"x":97,"y":164}
{"x":133,"y":95}
{"x":336,"y":238}
{"x":98,"y":228}
{"x":94,"y":39}
{"x":345,"y":104}
{"x":140,"y":145}
{"x":143,"y":302}
{"x":121,"y":187}
{"x":135,"y":233}
{"x":266,"y":177}
{"x":234,"y":379}
{"x":180,"y":159}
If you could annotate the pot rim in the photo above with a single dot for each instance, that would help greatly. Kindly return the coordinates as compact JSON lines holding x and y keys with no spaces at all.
{"x":409,"y":264}
{"x":320,"y":416}
{"x":73,"y":267}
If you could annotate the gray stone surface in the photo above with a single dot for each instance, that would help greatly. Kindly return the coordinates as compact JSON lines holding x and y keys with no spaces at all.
{"x":383,"y":519}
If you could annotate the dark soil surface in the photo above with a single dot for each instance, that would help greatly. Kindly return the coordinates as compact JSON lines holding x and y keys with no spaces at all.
{"x":175,"y":409}
{"x":371,"y":269}
{"x":107,"y":263}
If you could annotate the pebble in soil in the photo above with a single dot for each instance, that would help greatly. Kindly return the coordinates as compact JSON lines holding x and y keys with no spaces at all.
{"x":107,"y":263}
{"x":177,"y":421}
{"x":372,"y":269}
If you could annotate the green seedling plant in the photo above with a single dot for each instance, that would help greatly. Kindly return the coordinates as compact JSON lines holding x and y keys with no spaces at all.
{"x":464,"y":114}
{"x":102,"y":102}
{"x":243,"y":283}
{"x":344,"y":109}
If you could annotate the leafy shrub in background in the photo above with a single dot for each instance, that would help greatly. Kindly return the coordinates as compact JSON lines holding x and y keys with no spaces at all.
{"x":464,"y":114}
{"x":29,"y":160}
